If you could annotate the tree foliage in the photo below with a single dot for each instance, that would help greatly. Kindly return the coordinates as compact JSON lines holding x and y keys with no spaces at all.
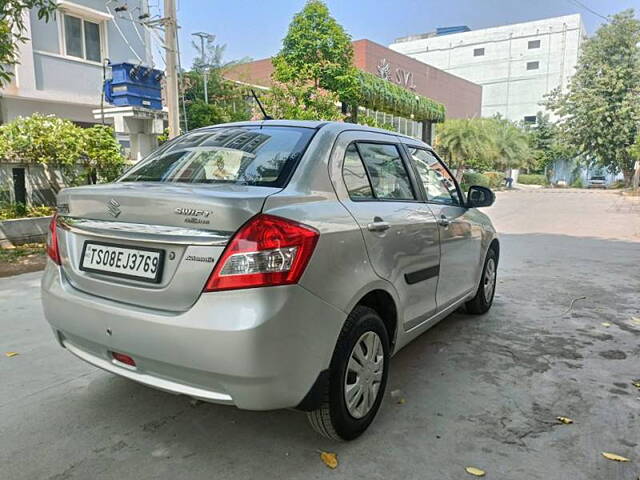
{"x":600,"y":112}
{"x":227,"y":100}
{"x":483,"y":144}
{"x":12,"y":30}
{"x":317,"y":50}
{"x":83,"y":155}
{"x":301,"y":102}
{"x":547,"y":143}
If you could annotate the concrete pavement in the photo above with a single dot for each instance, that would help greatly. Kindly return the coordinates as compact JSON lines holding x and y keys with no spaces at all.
{"x":481,"y":392}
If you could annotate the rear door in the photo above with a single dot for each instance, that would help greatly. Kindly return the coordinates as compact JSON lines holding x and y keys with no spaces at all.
{"x":460,"y":235}
{"x":401,"y":236}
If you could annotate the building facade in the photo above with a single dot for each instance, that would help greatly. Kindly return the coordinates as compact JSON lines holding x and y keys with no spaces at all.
{"x":61,"y":65}
{"x":61,"y":72}
{"x":461,"y":98}
{"x":515,"y":64}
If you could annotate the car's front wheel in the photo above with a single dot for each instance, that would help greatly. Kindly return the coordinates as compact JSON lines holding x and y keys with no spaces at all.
{"x":358,"y":376}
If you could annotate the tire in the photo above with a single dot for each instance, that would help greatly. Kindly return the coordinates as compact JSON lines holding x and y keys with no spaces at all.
{"x":334,"y":419}
{"x":483,"y":300}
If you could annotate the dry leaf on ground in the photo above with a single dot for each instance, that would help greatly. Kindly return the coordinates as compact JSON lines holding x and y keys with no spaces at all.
{"x":475,"y":471}
{"x":614,"y":457}
{"x":636,"y":383}
{"x":11,"y":354}
{"x":565,"y":420}
{"x":329,"y":459}
{"x":606,"y":324}
{"x":635,"y":320}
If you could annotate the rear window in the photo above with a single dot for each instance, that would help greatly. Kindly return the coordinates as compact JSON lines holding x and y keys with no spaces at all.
{"x":238,"y":155}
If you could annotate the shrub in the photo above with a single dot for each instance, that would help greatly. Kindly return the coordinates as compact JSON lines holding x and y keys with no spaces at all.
{"x":471,"y":178}
{"x":496,"y":179}
{"x":577,"y":183}
{"x":81,"y":154}
{"x":10,"y":211}
{"x":532,"y":179}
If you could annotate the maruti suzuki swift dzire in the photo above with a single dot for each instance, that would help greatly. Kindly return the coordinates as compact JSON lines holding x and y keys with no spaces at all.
{"x":269,"y":264}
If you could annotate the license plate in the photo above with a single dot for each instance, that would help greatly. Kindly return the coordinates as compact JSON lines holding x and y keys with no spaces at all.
{"x":137,"y":263}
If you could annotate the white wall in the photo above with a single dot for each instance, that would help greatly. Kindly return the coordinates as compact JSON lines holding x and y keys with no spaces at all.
{"x":508,"y":87}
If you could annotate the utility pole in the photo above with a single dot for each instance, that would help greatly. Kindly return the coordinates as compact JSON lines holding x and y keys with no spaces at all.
{"x":205,"y":72}
{"x":171,"y":47}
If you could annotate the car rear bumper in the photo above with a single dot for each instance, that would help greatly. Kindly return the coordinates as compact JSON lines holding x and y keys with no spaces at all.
{"x":258,"y":349}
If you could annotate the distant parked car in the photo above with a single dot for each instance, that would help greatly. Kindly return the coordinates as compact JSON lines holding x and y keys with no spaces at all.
{"x":269,"y":265}
{"x":597,"y":181}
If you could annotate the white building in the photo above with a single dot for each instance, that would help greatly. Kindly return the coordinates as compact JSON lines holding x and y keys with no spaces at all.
{"x":60,"y":72}
{"x":61,"y":65}
{"x":515,"y":64}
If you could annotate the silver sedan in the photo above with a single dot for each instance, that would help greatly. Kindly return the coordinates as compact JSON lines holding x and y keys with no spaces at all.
{"x":269,"y":265}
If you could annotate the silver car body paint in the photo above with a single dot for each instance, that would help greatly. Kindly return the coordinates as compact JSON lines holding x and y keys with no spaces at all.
{"x":259,"y":348}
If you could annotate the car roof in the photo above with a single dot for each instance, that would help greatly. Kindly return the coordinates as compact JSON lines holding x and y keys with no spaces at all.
{"x":337,"y":127}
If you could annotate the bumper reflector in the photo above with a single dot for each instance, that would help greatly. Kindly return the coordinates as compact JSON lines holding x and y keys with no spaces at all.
{"x":122,"y":358}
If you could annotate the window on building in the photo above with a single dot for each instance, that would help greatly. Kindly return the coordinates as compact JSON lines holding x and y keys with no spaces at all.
{"x":533,"y":65}
{"x":534,"y":44}
{"x":529,"y":119}
{"x":478,"y":52}
{"x":82,"y":38}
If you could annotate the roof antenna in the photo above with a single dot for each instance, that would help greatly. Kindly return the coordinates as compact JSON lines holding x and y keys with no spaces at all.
{"x":264,"y":113}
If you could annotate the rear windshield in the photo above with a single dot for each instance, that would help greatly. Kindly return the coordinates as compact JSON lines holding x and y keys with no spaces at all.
{"x":239,"y":155}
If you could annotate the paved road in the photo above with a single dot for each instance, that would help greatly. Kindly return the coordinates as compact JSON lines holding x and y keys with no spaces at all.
{"x":479,"y":391}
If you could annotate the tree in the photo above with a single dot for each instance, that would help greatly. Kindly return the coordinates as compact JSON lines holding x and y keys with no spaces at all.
{"x":301,"y":102}
{"x":547,"y":143}
{"x":314,"y":69}
{"x":227,"y":99}
{"x":600,"y":113}
{"x":511,"y":144}
{"x":317,"y":50}
{"x":467,"y":143}
{"x":202,"y":114}
{"x":12,"y":30}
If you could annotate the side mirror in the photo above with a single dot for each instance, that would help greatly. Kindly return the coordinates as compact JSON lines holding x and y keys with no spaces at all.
{"x":480,"y":197}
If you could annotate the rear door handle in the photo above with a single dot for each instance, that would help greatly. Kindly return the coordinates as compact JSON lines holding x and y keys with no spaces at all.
{"x":378,"y":226}
{"x":444,"y":221}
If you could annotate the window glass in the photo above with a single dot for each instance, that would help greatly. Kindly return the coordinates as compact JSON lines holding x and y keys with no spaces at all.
{"x":355,"y":176}
{"x":388,"y":174}
{"x":92,"y":41}
{"x":73,"y":36}
{"x":534,"y":44}
{"x":533,"y":65}
{"x":438,"y":183}
{"x":239,"y":155}
{"x":530,"y":119}
{"x":478,"y":52}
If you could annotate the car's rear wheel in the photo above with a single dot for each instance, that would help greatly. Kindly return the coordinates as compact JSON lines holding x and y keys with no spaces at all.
{"x":358,"y":377}
{"x":483,"y":300}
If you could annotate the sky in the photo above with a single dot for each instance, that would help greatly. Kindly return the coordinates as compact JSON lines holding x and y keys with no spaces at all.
{"x":255,"y":28}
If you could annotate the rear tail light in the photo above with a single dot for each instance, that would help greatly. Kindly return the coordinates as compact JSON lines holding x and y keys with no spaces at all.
{"x":122,"y":358}
{"x":266,"y":251}
{"x":52,"y":241}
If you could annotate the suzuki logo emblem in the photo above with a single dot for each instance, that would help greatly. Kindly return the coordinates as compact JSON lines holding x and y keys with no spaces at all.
{"x":113,"y":209}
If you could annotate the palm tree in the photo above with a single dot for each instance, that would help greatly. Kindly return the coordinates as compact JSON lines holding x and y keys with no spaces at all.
{"x":511,"y":144}
{"x":466,"y":143}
